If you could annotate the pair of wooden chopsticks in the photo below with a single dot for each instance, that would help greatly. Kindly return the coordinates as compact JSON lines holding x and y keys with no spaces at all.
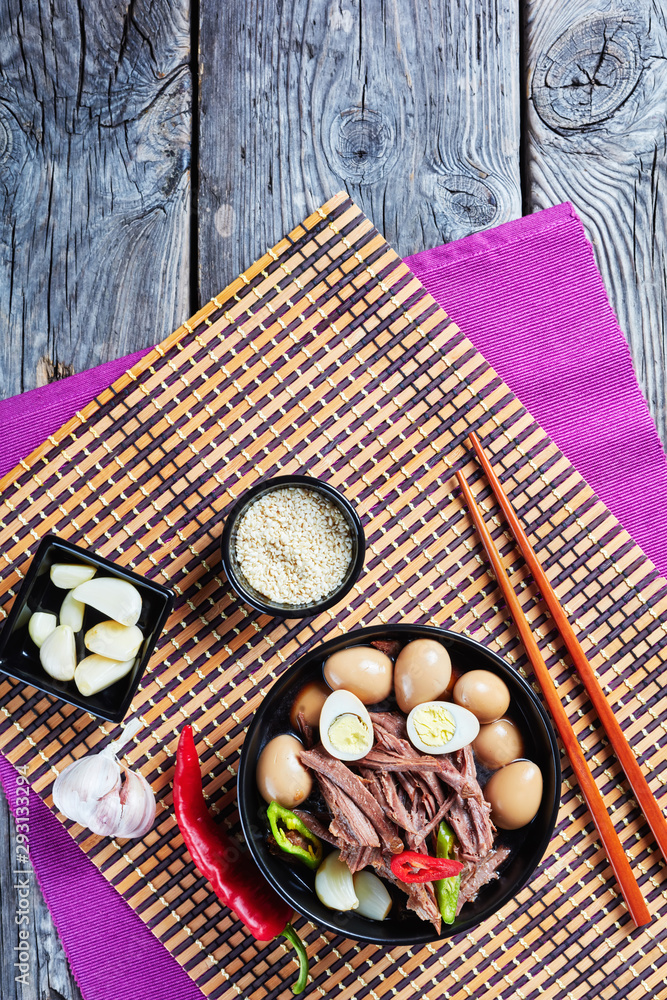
{"x":649,"y":806}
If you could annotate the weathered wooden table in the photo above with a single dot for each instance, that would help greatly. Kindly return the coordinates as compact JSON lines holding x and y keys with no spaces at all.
{"x":152,"y":149}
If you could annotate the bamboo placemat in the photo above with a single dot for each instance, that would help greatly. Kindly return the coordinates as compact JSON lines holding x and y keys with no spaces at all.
{"x":328,"y":356}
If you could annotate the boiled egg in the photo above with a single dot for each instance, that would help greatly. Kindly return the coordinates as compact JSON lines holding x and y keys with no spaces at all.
{"x":363,"y":670}
{"x":498,"y":744}
{"x":514,"y":794}
{"x":346,"y":729}
{"x":309,"y":702}
{"x":423,"y":671}
{"x":280,"y":773}
{"x":482,"y":693}
{"x":436,"y":727}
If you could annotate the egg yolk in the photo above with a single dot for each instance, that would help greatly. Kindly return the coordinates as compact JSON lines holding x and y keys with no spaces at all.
{"x":349,"y":733}
{"x":434,"y":725}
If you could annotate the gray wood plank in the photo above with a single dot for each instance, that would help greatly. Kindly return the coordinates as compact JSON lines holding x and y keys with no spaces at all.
{"x":95,"y":131}
{"x":48,"y":974}
{"x":597,"y":136}
{"x":412,"y":106}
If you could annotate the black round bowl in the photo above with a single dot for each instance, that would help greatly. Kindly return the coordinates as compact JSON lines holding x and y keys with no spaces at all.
{"x":247,"y":592}
{"x":527,"y":845}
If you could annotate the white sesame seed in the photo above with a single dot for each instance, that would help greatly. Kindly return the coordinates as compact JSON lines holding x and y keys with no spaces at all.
{"x":294,"y":546}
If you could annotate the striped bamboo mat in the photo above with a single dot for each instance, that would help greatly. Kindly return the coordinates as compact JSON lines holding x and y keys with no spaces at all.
{"x":328,"y":356}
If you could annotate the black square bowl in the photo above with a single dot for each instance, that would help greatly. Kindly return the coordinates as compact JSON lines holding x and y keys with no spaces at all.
{"x":19,"y":656}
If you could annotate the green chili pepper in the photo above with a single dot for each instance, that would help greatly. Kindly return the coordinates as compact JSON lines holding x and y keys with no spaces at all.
{"x":446,"y":889}
{"x":293,"y":836}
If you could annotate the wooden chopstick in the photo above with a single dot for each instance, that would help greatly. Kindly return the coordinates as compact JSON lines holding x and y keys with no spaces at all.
{"x":647,"y":802}
{"x":612,"y":845}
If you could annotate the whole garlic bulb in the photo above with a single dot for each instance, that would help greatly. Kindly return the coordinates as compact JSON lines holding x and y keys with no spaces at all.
{"x":100,"y":792}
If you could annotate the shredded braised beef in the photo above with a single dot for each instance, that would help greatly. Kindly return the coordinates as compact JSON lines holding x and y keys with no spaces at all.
{"x":385,"y":791}
{"x":478,"y":809}
{"x":390,"y":722}
{"x":335,"y":772}
{"x":394,"y":799}
{"x":306,"y":730}
{"x":479,"y":873}
{"x":318,"y":826}
{"x":390,"y":647}
{"x":384,"y":760}
{"x":349,"y":822}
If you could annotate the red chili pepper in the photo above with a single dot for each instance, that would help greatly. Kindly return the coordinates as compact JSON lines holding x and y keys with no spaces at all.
{"x":410,"y":866}
{"x":236,"y":879}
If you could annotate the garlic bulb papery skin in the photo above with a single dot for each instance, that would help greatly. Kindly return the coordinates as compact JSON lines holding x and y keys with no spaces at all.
{"x":57,"y":653}
{"x":113,"y":597}
{"x":138,"y":804}
{"x":71,"y":612}
{"x":79,"y":789}
{"x":92,"y":792}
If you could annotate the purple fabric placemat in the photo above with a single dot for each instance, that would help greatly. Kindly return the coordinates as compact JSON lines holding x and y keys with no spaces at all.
{"x":110,"y":950}
{"x":530,"y":298}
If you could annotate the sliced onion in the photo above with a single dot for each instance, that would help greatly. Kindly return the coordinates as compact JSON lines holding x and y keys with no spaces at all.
{"x":334,"y":885}
{"x":374,"y":900}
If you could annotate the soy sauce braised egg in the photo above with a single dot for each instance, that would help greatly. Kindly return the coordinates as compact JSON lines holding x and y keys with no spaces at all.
{"x":363,"y":670}
{"x":309,"y":702}
{"x":436,"y":727}
{"x":514,"y":794}
{"x":482,"y":693}
{"x":280,"y":774}
{"x":422,"y":672}
{"x":498,"y":743}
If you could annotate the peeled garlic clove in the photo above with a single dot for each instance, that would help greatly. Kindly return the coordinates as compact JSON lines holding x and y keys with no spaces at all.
{"x":116,"y":598}
{"x":40,"y":626}
{"x":71,"y":612}
{"x":374,"y":900}
{"x":58,"y":653}
{"x":95,"y":673}
{"x":118,"y":642}
{"x":138,"y":802}
{"x":333,"y":884}
{"x":69,"y":575}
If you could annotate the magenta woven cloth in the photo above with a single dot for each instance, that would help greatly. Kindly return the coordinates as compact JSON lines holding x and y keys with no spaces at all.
{"x":529,"y":296}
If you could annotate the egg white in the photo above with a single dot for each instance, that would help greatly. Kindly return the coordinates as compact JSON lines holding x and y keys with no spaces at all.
{"x":467,"y":728}
{"x":344,"y":703}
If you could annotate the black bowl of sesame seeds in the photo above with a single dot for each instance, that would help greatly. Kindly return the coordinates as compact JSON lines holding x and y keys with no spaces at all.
{"x":293,"y":546}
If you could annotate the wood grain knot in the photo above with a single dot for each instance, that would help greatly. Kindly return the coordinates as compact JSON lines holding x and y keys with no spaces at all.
{"x":14,"y":146}
{"x":6,"y":137}
{"x":362,"y":144}
{"x":51,"y":371}
{"x":468,"y":200}
{"x":588,"y":73}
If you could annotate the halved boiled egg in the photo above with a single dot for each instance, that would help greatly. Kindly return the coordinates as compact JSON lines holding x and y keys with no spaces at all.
{"x":346,"y":729}
{"x":436,"y":727}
